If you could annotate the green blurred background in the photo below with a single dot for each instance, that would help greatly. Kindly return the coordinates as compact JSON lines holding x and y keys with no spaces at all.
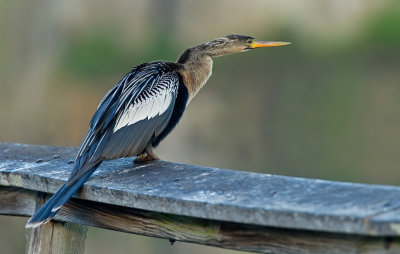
{"x":326,"y":106}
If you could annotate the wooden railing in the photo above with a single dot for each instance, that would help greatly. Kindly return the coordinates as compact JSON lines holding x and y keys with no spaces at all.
{"x":218,"y":207}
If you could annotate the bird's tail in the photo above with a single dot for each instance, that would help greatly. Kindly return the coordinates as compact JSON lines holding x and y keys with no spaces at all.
{"x":51,"y":207}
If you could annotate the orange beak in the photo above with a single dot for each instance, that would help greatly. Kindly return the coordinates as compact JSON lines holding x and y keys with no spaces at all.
{"x":261,"y":44}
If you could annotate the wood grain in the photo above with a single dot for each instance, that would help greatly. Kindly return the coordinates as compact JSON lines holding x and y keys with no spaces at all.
{"x":212,"y":193}
{"x":201,"y":231}
{"x":216,"y":207}
{"x":56,"y":237}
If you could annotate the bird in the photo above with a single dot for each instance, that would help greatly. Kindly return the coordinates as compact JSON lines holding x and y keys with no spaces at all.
{"x":141,"y":110}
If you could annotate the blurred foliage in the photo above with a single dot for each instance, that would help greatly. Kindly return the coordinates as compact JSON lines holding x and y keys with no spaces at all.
{"x":326,"y":106}
{"x":385,"y":29}
{"x":93,"y":56}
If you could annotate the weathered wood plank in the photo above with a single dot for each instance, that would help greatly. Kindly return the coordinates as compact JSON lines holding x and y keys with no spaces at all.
{"x":202,"y":231}
{"x":17,"y":201}
{"x":210,"y":193}
{"x":56,"y":237}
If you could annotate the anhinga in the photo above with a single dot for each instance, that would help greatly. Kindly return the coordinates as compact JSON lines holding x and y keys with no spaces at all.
{"x":141,"y":110}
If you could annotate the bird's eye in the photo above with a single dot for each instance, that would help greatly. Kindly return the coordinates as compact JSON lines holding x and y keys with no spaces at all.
{"x":249,"y":41}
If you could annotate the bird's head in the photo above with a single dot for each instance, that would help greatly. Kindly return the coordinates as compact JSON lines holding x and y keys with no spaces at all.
{"x":235,"y":43}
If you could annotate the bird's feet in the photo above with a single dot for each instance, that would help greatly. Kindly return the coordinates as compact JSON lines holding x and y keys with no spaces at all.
{"x":147,"y":155}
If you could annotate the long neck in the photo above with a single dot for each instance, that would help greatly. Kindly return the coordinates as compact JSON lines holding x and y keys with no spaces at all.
{"x":197,"y":62}
{"x":197,"y":69}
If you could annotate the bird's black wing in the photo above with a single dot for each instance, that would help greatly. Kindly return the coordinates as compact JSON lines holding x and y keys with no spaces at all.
{"x":135,"y":110}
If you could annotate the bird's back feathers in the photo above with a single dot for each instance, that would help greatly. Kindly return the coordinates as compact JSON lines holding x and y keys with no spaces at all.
{"x":132,"y":114}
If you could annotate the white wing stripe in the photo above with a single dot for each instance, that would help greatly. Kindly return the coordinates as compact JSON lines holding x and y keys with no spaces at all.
{"x":149,"y":107}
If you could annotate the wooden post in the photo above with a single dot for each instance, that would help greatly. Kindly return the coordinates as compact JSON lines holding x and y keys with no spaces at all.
{"x":217,"y":207}
{"x":56,"y":237}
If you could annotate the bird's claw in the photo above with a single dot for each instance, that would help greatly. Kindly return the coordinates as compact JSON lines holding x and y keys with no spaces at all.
{"x":145,"y":157}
